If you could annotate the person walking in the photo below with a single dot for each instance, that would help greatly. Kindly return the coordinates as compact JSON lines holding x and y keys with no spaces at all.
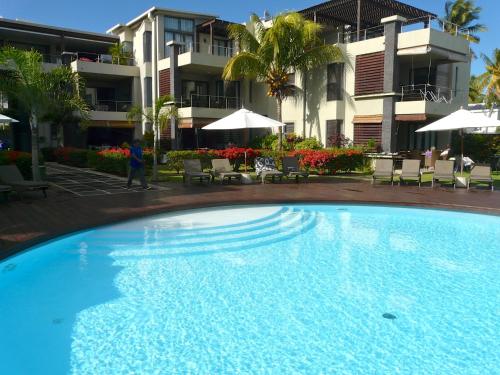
{"x":137,"y":165}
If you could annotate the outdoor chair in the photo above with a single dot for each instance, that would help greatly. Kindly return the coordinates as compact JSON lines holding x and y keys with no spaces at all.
{"x":410,"y":171}
{"x":384,"y":169}
{"x":5,"y":190}
{"x":443,"y":170}
{"x":221,"y":168}
{"x":480,"y":174}
{"x":291,"y":169}
{"x":266,"y":168}
{"x":192,"y":170}
{"x":10,"y":175}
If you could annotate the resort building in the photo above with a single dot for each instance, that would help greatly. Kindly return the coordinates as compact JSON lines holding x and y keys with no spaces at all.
{"x":400,"y":71}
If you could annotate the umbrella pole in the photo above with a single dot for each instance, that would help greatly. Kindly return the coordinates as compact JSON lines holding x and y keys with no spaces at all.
{"x":462,"y":148}
{"x":245,"y":161}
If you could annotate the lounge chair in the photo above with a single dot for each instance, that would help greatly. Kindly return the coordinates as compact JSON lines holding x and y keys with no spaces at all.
{"x":5,"y":190}
{"x":443,"y":170}
{"x":291,"y":169}
{"x":266,"y":168}
{"x":10,"y":175}
{"x":384,"y":169}
{"x":481,"y":174}
{"x":192,"y":169}
{"x":410,"y":171}
{"x":221,"y":168}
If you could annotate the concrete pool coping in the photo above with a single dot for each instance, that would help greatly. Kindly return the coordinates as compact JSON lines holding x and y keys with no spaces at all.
{"x":27,"y":223}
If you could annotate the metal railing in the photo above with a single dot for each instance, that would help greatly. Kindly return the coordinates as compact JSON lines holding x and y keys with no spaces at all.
{"x":436,"y":23}
{"x":210,"y":101}
{"x":101,"y":58}
{"x":351,"y":36}
{"x":208,"y":49}
{"x":111,"y":105}
{"x":426,"y":92}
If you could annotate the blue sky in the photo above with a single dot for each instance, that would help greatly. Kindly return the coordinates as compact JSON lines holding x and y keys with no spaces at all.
{"x":99,"y":15}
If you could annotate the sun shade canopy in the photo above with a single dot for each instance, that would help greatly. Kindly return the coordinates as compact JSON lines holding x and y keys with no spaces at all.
{"x":243,"y":119}
{"x":461,"y":119}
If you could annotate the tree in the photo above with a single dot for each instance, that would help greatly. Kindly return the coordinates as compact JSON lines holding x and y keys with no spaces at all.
{"x":476,"y":89}
{"x":66,"y":107}
{"x":463,"y":14}
{"x":490,"y":80}
{"x":119,"y":55}
{"x":158,"y":116}
{"x":270,"y":54}
{"x":38,"y":92}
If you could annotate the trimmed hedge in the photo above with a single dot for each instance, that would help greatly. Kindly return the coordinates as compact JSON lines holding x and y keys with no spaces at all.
{"x":74,"y":157}
{"x":115,"y":160}
{"x":330,"y":161}
{"x":21,"y":159}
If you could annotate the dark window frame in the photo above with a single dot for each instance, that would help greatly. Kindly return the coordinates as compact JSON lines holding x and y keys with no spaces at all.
{"x":335,"y":82}
{"x":147,"y":44}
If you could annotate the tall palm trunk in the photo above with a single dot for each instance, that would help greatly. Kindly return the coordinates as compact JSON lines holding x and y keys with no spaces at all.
{"x":156,"y":137}
{"x":279,"y":105}
{"x":34,"y":146}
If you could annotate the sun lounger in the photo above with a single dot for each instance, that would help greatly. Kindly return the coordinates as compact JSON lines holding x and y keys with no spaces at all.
{"x":411,"y":171}
{"x":443,"y":170}
{"x":10,"y":175}
{"x":481,"y":174}
{"x":266,"y":168}
{"x":384,"y":169}
{"x":221,"y":168}
{"x":291,"y":168}
{"x":192,"y":170}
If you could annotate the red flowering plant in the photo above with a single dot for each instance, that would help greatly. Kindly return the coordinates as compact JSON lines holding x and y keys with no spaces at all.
{"x":331,"y":160}
{"x":21,"y":159}
{"x":71,"y":156}
{"x":236,"y":155}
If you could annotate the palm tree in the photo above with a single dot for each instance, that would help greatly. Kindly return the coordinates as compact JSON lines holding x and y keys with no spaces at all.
{"x":476,"y":89}
{"x":38,"y":92}
{"x":491,"y":78}
{"x":119,"y":55}
{"x":158,"y":116}
{"x":270,"y":54}
{"x":463,"y":14}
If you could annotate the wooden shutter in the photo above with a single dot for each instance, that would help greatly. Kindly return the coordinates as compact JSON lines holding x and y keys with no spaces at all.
{"x":369,"y":74}
{"x":164,"y":79}
{"x":367,"y":127}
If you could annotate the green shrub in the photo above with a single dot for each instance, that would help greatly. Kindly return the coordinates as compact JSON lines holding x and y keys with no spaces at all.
{"x":74,"y":157}
{"x":48,"y":153}
{"x":21,"y":159}
{"x":175,"y":158}
{"x":308,"y":144}
{"x":264,"y":142}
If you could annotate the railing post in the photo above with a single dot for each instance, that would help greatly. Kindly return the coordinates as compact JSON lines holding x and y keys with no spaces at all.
{"x":209,"y":100}
{"x":365,"y":33}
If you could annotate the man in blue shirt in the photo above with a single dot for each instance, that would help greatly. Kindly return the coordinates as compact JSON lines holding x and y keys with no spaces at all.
{"x":136,"y":165}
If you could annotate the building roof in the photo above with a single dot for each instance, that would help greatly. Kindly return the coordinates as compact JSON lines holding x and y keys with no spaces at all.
{"x":344,"y":12}
{"x":152,"y":10}
{"x":32,"y":27}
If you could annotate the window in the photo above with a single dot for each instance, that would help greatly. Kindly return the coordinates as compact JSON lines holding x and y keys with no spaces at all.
{"x":291,"y":84}
{"x":148,"y":91}
{"x":334,"y":86}
{"x":289,"y":127}
{"x":335,"y":133}
{"x":146,"y":41}
{"x":180,"y":30}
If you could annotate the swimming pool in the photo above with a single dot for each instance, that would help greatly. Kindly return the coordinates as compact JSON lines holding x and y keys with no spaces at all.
{"x":261,"y":289}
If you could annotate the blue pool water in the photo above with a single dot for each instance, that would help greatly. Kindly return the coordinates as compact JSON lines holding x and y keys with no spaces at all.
{"x":295,"y":289}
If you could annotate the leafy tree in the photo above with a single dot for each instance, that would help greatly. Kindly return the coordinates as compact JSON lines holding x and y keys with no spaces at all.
{"x":158,"y":116}
{"x":119,"y":55}
{"x":490,"y":80}
{"x":270,"y":54}
{"x":464,"y":14}
{"x":476,"y":89}
{"x":38,"y":92}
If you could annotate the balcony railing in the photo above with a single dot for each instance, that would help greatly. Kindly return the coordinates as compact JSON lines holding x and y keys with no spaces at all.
{"x":111,"y":106}
{"x":351,"y":36}
{"x":433,"y":23}
{"x":101,"y":58}
{"x":428,"y":93}
{"x":52,"y":59}
{"x":210,"y":101}
{"x":208,"y":49}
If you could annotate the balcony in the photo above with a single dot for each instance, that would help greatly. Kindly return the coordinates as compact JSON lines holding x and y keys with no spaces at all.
{"x":109,"y":110}
{"x":428,"y":100}
{"x":205,"y":55}
{"x":94,"y":63}
{"x":207,"y":106}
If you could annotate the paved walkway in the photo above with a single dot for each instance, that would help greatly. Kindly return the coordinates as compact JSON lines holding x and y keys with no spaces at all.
{"x":34,"y":219}
{"x":86,"y":182}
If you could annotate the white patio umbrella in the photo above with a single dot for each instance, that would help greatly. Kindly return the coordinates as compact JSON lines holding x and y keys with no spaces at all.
{"x":459,"y":120}
{"x":6,"y":119}
{"x":243,"y":119}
